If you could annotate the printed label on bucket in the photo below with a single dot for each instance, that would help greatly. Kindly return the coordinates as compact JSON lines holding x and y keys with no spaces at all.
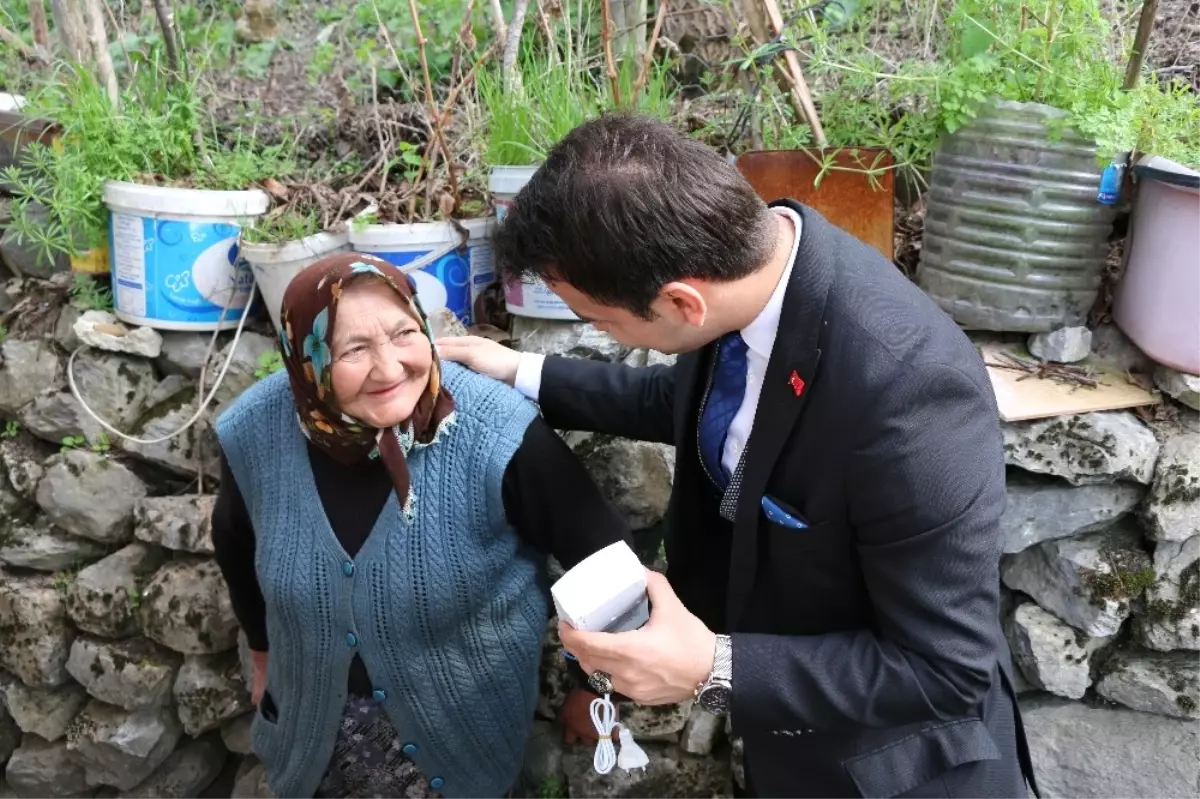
{"x":177,"y":272}
{"x":455,"y":281}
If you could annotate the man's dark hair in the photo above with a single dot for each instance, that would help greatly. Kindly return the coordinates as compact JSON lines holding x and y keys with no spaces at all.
{"x":624,"y":205}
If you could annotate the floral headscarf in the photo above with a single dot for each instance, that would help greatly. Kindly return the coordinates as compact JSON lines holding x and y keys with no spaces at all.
{"x":309,"y":315}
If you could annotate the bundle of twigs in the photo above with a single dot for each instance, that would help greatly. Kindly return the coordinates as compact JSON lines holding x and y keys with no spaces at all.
{"x":1045,"y":370}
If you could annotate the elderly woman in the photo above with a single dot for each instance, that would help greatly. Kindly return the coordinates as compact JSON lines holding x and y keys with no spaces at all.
{"x":381,"y":525}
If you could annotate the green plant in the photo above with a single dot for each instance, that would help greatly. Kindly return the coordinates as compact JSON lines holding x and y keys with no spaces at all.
{"x":551,"y":788}
{"x":72,"y":442}
{"x":11,"y":428}
{"x":88,"y":293}
{"x":269,"y":363}
{"x":100,"y":446}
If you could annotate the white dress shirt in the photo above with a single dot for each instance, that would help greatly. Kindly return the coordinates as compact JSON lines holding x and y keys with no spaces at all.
{"x":760,"y":340}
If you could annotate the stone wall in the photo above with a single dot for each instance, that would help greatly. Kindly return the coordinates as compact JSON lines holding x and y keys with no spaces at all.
{"x":122,"y":672}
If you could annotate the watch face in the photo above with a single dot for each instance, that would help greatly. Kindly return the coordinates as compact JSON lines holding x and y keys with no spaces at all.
{"x":715,"y":698}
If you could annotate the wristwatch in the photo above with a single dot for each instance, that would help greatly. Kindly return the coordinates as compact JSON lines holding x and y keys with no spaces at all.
{"x":716,"y":693}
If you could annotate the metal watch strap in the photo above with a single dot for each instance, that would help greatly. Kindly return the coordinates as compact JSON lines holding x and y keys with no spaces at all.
{"x":723,"y":660}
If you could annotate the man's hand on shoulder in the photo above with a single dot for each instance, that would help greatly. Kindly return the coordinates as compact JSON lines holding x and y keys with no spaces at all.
{"x":481,"y":355}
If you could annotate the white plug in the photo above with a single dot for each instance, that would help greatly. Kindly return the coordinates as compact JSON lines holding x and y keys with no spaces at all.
{"x":605,"y":592}
{"x":631,"y":755}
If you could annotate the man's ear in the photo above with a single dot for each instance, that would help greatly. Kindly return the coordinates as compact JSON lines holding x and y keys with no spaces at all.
{"x":684,"y":302}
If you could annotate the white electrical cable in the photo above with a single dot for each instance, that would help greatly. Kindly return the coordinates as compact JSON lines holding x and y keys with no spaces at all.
{"x":604,"y":719}
{"x":207,"y":400}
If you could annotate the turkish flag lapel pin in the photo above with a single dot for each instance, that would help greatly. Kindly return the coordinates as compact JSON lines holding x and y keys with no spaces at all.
{"x":796,"y":382}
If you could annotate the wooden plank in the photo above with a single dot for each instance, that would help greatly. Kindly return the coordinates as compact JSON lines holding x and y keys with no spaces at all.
{"x":1038,"y":398}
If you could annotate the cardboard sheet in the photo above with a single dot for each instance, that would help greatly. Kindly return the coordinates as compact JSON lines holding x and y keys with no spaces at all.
{"x":1037,"y":398}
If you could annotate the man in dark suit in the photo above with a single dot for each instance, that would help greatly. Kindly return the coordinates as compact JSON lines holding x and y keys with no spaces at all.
{"x":832,"y":536}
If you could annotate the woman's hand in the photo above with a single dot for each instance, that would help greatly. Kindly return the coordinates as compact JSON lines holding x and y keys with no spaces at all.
{"x":481,"y":355}
{"x":260,"y":676}
{"x":576,"y":717}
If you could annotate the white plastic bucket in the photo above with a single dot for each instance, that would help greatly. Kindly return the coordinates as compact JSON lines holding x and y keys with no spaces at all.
{"x":1157,"y":302}
{"x":174,"y":254}
{"x":275,"y":265}
{"x":529,"y":297}
{"x":432,"y":253}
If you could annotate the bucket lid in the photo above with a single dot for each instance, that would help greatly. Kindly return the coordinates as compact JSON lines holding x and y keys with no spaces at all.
{"x":510,"y":179}
{"x":187,"y":202}
{"x":414,"y":235}
{"x":1155,"y":167}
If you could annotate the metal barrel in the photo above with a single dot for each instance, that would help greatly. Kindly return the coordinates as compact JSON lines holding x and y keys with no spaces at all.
{"x":1014,"y":236}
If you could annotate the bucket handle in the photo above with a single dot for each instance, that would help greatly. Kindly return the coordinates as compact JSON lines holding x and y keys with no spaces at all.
{"x":431,"y":257}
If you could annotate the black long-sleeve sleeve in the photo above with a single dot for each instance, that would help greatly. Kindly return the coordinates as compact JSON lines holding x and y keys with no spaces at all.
{"x":627,"y":401}
{"x":548,"y":498}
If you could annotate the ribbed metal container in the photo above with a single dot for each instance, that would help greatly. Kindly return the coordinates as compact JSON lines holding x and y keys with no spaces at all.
{"x":1014,"y":237}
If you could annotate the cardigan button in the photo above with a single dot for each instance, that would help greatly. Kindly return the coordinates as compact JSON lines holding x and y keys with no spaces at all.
{"x":409,"y":749}
{"x":348,"y":568}
{"x":379,"y":694}
{"x":436,"y":783}
{"x":351,"y":639}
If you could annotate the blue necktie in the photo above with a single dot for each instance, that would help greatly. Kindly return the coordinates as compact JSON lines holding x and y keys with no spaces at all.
{"x":724,"y":399}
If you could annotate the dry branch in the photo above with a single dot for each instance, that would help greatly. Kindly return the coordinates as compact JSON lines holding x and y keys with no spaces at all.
{"x":1058,"y":372}
{"x":548,"y":32}
{"x":801,"y":96}
{"x":610,"y":65}
{"x":17,"y":43}
{"x":69,"y":23}
{"x":648,"y":56}
{"x":1142,"y":38}
{"x":499,"y":27}
{"x":512,"y":43}
{"x":37,"y":20}
{"x":435,"y":118}
{"x":98,"y":37}
{"x":166,"y":21}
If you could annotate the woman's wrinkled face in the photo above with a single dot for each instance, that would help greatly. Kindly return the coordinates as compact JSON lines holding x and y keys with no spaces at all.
{"x":381,"y":358}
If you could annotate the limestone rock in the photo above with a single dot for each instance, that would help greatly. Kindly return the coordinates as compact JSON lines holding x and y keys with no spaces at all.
{"x":1088,"y":448}
{"x":23,"y":472}
{"x":183,"y":353}
{"x":102,"y":330}
{"x":104,"y":596}
{"x":1173,"y":507}
{"x":1052,"y":655}
{"x":670,"y":772}
{"x":64,"y":328}
{"x":44,"y":548}
{"x":209,"y":691}
{"x":571,"y":339}
{"x":131,"y":674}
{"x":556,"y":676}
{"x":181,"y":523}
{"x":90,"y":495}
{"x":1166,"y":683}
{"x":702,"y":732}
{"x":40,"y":768}
{"x":116,"y":387}
{"x":1082,"y":752}
{"x":34,"y":629}
{"x":655,"y":722}
{"x":241,"y":375}
{"x":1041,"y":508}
{"x":27,"y":368}
{"x":251,"y":780}
{"x":1112,"y":346}
{"x":186,"y":607}
{"x":640,"y":357}
{"x":236,"y":734}
{"x":1065,"y":345}
{"x":119,"y":747}
{"x":194,"y":448}
{"x":737,"y":761}
{"x":56,"y":415}
{"x":1171,"y":618}
{"x":636,"y":476}
{"x":257,"y":22}
{"x":542,"y":767}
{"x":189,"y":770}
{"x":13,"y":508}
{"x":1088,"y":582}
{"x":44,"y":712}
{"x":1180,"y":385}
{"x":168,"y":389}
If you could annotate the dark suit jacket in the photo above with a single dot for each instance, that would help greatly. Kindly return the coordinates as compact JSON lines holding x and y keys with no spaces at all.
{"x":868,"y":657}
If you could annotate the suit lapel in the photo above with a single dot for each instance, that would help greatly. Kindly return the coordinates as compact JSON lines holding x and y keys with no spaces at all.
{"x":791,"y":371}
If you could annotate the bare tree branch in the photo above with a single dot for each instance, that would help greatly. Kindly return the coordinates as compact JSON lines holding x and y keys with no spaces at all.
{"x":69,"y":23}
{"x":512,"y":43}
{"x":434,"y":117}
{"x":37,"y":20}
{"x":99,"y":39}
{"x":606,"y":36}
{"x":648,"y":56}
{"x":166,"y":21}
{"x":17,"y":43}
{"x":499,"y":26}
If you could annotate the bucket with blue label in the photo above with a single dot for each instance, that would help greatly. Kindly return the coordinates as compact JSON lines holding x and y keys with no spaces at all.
{"x":449,"y":272}
{"x":174,"y":255}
